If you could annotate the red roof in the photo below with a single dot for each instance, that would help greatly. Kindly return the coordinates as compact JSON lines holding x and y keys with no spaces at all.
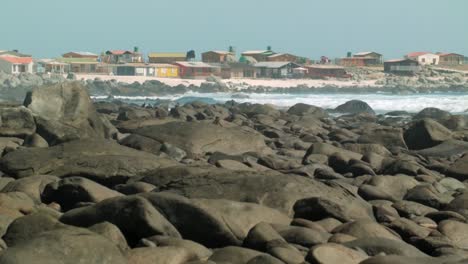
{"x":416,"y":54}
{"x":17,"y":60}
{"x":118,"y":52}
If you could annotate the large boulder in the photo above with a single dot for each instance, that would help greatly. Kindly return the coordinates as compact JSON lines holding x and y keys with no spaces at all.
{"x":271,"y":189}
{"x":387,"y":136}
{"x":354,"y":107}
{"x":16,"y":122}
{"x":65,"y":112}
{"x":64,"y":245}
{"x":98,"y":159}
{"x":446,"y":149}
{"x":459,"y":169}
{"x":32,"y":186}
{"x":301,"y":109}
{"x":199,"y":138}
{"x":432,"y":112}
{"x":426,"y":133}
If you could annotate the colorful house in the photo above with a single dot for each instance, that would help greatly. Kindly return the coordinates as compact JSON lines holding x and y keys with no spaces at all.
{"x":164,"y":70}
{"x":196,"y":69}
{"x":166,"y":57}
{"x":80,"y":65}
{"x":216,"y":56}
{"x":122,"y":56}
{"x":15,"y":65}
{"x":274,"y":69}
{"x":51,"y":66}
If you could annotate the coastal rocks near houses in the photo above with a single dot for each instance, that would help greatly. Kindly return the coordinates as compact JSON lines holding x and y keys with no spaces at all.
{"x":111,"y":182}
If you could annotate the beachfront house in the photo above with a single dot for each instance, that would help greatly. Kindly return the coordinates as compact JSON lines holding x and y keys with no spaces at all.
{"x":235,"y":70}
{"x":275,"y":69}
{"x":166,"y":57}
{"x":15,"y":65}
{"x":402,"y":66}
{"x":80,"y":54}
{"x":319,"y":71}
{"x":147,"y":69}
{"x":80,"y":65}
{"x":258,"y":55}
{"x":122,"y":56}
{"x":423,"y":58}
{"x":13,"y":53}
{"x":216,"y":56}
{"x":378,"y":58}
{"x":51,"y":66}
{"x":450,"y":59}
{"x":196,"y":69}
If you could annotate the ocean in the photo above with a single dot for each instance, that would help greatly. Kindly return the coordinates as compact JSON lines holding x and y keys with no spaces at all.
{"x":456,"y":103}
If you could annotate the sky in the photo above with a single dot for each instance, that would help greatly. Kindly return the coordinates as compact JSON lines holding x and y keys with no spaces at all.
{"x":310,"y":28}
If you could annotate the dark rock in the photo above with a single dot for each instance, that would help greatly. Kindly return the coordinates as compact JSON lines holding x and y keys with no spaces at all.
{"x":459,"y":169}
{"x":426,"y":133}
{"x":354,"y":106}
{"x":307,"y":110}
{"x":16,"y":122}
{"x":141,"y":143}
{"x":32,"y":186}
{"x":432,"y":112}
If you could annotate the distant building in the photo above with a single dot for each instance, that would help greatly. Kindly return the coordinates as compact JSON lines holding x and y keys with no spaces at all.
{"x":196,"y":69}
{"x":378,"y":58}
{"x":287,"y":57}
{"x":122,"y":56}
{"x":234,"y":70}
{"x":357,"y":61}
{"x":80,"y":65}
{"x":166,"y":57}
{"x":51,"y":66}
{"x":215,"y":56}
{"x":450,"y":59}
{"x":258,"y":55}
{"x":273,"y":69}
{"x":13,"y":53}
{"x":15,"y":65}
{"x":318,"y":71}
{"x":80,"y":54}
{"x":402,"y":66}
{"x":423,"y":58}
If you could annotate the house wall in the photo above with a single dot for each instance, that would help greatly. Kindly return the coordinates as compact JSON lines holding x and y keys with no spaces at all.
{"x":165,"y":59}
{"x":404,"y":67}
{"x":324,"y":72}
{"x":195,"y":72}
{"x":451,"y":59}
{"x":5,"y":66}
{"x":167,"y":72}
{"x":213,"y":57}
{"x":83,"y":68}
{"x":427,"y":59}
{"x":283,"y":57}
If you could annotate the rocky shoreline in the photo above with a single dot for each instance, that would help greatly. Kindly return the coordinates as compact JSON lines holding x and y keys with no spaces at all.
{"x":109,"y":182}
{"x":15,"y":87}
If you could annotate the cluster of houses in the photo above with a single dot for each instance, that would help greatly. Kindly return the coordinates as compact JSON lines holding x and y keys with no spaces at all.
{"x":225,"y":64}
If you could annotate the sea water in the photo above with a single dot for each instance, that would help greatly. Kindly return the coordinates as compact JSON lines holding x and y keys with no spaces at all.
{"x":453,"y":102}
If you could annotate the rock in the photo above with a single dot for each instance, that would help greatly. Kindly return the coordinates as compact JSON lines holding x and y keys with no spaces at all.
{"x":100,"y":160}
{"x":446,"y":149}
{"x":354,"y":106}
{"x":111,"y":232}
{"x":318,"y":208}
{"x":428,"y":195}
{"x":456,"y":231}
{"x":234,"y":255}
{"x":301,"y":109}
{"x":35,"y":141}
{"x":200,"y":138}
{"x":73,"y":190}
{"x":303,"y":236}
{"x":8,"y":144}
{"x":396,"y":186}
{"x":389,"y":137}
{"x":27,"y":227}
{"x":160,"y":255}
{"x":370,"y":192}
{"x":402,"y":260}
{"x":328,"y":150}
{"x":173,"y":151}
{"x":141,"y":143}
{"x":252,"y":110}
{"x":14,"y":205}
{"x":373,"y":246}
{"x":135,"y":216}
{"x":331,"y":253}
{"x":459,"y":169}
{"x":134,"y":188}
{"x":193,"y":248}
{"x":233,"y":165}
{"x":65,"y":112}
{"x":16,"y":122}
{"x":426,"y":133}
{"x":408,"y":208}
{"x":264,"y":259}
{"x":366,"y":229}
{"x":32,"y":186}
{"x":64,"y":246}
{"x":432,"y":112}
{"x":213,"y":223}
{"x":270,"y":189}
{"x":408,"y":229}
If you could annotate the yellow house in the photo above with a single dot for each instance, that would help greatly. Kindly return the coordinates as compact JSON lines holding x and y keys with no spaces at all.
{"x":163,"y":70}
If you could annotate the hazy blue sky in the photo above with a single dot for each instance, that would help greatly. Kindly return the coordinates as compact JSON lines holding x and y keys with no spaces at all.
{"x":311,"y":28}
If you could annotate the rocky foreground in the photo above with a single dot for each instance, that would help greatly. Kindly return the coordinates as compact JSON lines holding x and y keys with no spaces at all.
{"x":108,"y":182}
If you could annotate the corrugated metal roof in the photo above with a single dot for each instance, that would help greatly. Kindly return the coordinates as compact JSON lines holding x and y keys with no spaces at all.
{"x":271,"y":64}
{"x":78,"y":60}
{"x":17,"y":60}
{"x":84,"y":53}
{"x":195,"y":64}
{"x":364,"y":53}
{"x":252,"y":52}
{"x":321,"y":66}
{"x":446,"y":54}
{"x":416,"y":54}
{"x":119,"y":52}
{"x":167,"y":55}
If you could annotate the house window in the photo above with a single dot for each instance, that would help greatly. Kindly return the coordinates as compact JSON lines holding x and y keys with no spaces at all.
{"x":423,"y":60}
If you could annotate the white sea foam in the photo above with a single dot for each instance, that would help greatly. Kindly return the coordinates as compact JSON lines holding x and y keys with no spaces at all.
{"x":452,"y":102}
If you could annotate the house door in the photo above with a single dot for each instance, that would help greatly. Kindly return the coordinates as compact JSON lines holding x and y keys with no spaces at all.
{"x":434,"y":61}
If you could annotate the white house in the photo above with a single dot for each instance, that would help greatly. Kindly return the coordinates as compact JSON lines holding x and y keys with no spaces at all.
{"x":424,"y":58}
{"x":13,"y":65}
